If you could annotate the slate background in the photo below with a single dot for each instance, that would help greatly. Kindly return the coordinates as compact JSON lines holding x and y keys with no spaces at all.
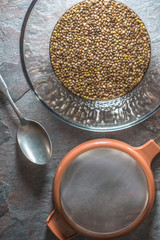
{"x":26,"y":189}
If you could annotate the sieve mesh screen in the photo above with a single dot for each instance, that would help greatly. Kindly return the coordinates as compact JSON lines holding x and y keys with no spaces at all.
{"x":103,"y":190}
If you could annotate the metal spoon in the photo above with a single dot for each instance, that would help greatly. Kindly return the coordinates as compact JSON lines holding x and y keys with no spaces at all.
{"x":32,"y":137}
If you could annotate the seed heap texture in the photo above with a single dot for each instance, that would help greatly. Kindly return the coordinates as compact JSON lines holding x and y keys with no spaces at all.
{"x":100,"y":49}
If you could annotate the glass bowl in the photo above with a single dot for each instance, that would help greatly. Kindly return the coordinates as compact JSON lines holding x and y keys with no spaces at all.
{"x":101,"y":116}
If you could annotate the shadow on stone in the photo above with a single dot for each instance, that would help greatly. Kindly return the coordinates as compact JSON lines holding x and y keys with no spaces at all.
{"x":32,"y":174}
{"x":49,"y":235}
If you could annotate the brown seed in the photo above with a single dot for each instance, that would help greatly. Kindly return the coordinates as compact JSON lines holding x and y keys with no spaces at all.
{"x":85,"y":52}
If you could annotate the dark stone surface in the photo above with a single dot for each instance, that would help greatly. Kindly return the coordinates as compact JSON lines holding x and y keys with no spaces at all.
{"x":26,"y":189}
{"x":153,"y":123}
{"x":4,"y":190}
{"x":13,"y":76}
{"x":11,"y":18}
{"x":4,"y":132}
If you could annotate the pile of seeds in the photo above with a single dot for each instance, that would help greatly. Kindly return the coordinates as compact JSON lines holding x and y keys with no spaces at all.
{"x":100,"y":49}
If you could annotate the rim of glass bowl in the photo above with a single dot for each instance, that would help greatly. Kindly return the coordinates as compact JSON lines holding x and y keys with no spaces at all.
{"x":89,"y":128}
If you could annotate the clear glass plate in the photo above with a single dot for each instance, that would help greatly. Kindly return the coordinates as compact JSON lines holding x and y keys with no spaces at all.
{"x":104,"y":116}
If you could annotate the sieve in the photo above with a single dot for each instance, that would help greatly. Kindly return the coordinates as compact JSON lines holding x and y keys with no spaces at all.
{"x":103,"y":188}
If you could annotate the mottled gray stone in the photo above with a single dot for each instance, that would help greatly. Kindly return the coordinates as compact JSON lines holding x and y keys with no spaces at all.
{"x":13,"y":76}
{"x":11,"y":18}
{"x":4,"y":190}
{"x":28,"y":200}
{"x":4,"y":132}
{"x":153,"y":123}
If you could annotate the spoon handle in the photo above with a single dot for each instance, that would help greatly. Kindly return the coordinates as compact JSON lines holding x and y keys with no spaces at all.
{"x":4,"y":90}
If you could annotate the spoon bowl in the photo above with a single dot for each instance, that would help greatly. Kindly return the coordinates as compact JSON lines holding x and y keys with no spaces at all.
{"x":34,"y":142}
{"x":32,"y":138}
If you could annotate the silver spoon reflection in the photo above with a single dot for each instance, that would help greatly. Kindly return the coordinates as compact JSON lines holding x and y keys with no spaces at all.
{"x":31,"y":136}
